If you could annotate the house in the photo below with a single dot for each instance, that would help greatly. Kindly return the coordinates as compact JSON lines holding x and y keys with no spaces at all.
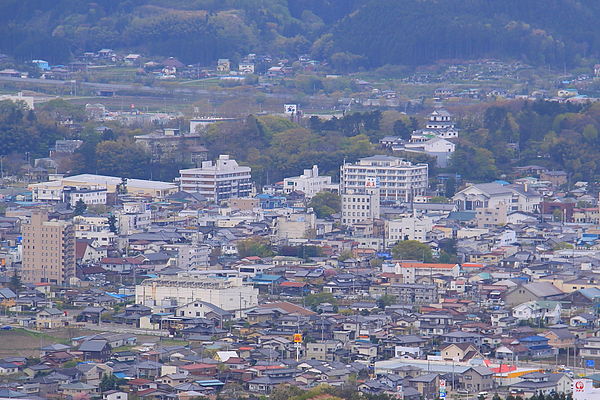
{"x":583,"y":320}
{"x":95,"y":349}
{"x":490,"y":195}
{"x":542,"y":383}
{"x":427,"y":385}
{"x":547,"y":312}
{"x":538,"y":346}
{"x":462,"y":337}
{"x":8,"y":368}
{"x":535,"y":291}
{"x":460,"y":352}
{"x":560,"y":338}
{"x":51,"y":318}
{"x":476,"y":379}
{"x":114,"y":395}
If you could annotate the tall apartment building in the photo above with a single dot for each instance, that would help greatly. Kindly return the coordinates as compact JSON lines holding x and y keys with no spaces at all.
{"x":398,"y":180}
{"x":309,"y":183}
{"x":48,"y":250}
{"x":217,"y":181}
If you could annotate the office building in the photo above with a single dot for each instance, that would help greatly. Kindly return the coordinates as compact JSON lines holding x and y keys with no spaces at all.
{"x":48,"y":250}
{"x":217,"y":181}
{"x":397,"y":179}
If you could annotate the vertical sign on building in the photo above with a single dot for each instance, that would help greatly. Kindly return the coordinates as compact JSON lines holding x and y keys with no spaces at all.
{"x":442,"y":388}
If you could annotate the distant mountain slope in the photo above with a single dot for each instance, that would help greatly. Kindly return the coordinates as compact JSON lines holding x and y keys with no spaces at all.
{"x":422,"y":31}
{"x":349,"y":33}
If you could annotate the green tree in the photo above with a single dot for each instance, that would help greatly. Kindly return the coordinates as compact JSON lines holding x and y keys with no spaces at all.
{"x":254,"y":246}
{"x":313,"y":300}
{"x":562,"y":246}
{"x":412,"y":250}
{"x":112,"y":223}
{"x":325,"y":204}
{"x":110,"y":382}
{"x":80,"y":207}
{"x":15,"y":283}
{"x":401,"y":129}
{"x":345,"y":255}
{"x":386,"y":300}
{"x":122,"y":158}
{"x":439,"y":199}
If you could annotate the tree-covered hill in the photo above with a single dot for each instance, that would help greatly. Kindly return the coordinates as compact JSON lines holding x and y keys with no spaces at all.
{"x":349,"y":33}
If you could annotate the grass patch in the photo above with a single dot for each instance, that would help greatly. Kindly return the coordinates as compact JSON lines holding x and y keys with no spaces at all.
{"x":40,"y":335}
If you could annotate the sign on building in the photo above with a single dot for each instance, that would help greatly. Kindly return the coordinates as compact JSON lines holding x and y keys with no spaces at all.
{"x":290,"y":108}
{"x":442,"y":388}
{"x":583,"y":389}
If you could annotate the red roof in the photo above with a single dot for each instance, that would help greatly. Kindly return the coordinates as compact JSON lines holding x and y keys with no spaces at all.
{"x":80,"y":247}
{"x":426,"y":266}
{"x":471,"y":265}
{"x":198,"y":366}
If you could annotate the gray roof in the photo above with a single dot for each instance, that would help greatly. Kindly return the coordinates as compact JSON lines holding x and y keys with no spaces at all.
{"x":93,"y":345}
{"x":543,"y":289}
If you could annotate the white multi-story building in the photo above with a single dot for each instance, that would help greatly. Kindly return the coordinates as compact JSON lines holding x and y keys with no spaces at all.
{"x":217,"y":181}
{"x":54,"y":191}
{"x":360,"y":205}
{"x":408,"y":228}
{"x":309,"y":183}
{"x":134,"y":217}
{"x":398,"y":180}
{"x":223,"y":288}
{"x":93,"y":228}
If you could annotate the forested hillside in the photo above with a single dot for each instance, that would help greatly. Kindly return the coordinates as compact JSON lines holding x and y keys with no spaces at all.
{"x":350,"y":33}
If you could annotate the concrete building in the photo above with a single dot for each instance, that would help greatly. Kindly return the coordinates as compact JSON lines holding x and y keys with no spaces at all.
{"x":437,"y":147}
{"x":398,"y":180}
{"x":48,"y":250}
{"x":309,"y":183}
{"x":487,"y":217}
{"x":490,"y":195}
{"x":134,"y":217}
{"x":136,"y":187}
{"x":360,"y":205}
{"x":408,"y":228}
{"x":295,"y":226}
{"x":224,"y":289}
{"x":217,"y":181}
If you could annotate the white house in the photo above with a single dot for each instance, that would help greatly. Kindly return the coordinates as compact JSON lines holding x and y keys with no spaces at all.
{"x":548,"y":311}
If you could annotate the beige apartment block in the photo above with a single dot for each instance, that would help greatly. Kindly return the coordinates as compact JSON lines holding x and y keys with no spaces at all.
{"x":48,"y":250}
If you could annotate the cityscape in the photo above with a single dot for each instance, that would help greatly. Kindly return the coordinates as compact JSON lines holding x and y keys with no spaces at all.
{"x":299,"y":200}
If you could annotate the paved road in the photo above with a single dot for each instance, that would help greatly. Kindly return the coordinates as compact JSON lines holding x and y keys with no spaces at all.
{"x":158,"y":90}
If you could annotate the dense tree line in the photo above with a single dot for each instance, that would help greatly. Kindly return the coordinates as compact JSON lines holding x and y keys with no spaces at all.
{"x":550,"y":134}
{"x":276,"y":148}
{"x":348,"y":34}
{"x":22,"y":132}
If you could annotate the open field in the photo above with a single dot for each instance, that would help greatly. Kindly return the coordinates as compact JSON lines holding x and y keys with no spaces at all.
{"x":24,"y":343}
